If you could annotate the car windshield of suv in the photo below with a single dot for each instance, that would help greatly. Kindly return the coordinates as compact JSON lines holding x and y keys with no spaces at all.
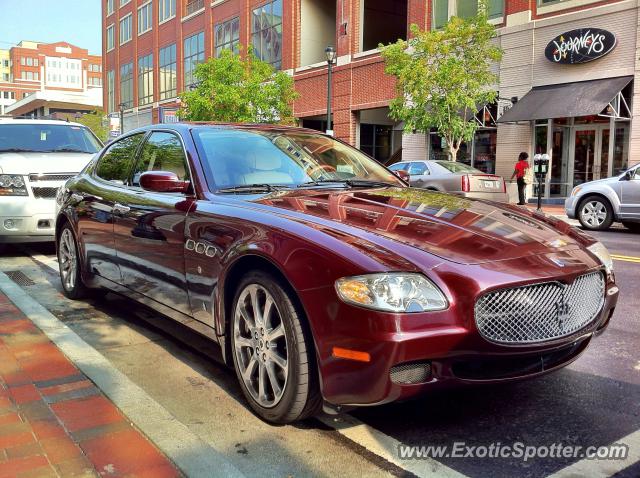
{"x":457,"y":167}
{"x":47,"y":138}
{"x":243,"y":158}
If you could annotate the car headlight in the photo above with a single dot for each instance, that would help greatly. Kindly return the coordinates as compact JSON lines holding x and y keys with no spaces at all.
{"x":12,"y":185}
{"x":599,"y":250}
{"x":576,"y":190}
{"x":392,"y":292}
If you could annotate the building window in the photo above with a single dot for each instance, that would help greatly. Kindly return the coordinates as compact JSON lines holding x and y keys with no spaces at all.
{"x":110,"y":7}
{"x":445,"y":9}
{"x":266,"y":34}
{"x":111,"y":91}
{"x":166,"y":9}
{"x":5,"y":77}
{"x":167,"y":68}
{"x":124,"y":2}
{"x":227,"y":36}
{"x":111,"y":36}
{"x":5,"y":63}
{"x":126,"y":85}
{"x":125,"y":29}
{"x":29,"y":61}
{"x":35,"y":62}
{"x":193,"y":54}
{"x":145,"y":18}
{"x":193,"y":6}
{"x":23,"y":60}
{"x":145,"y":80}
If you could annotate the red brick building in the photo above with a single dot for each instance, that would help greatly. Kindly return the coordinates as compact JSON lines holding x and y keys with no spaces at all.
{"x":32,"y":67}
{"x":151,"y":46}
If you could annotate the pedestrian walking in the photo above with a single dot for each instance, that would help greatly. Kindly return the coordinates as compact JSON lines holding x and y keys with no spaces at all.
{"x":520,"y":173}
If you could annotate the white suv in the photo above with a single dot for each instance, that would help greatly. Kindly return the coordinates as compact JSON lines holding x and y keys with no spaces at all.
{"x":36,"y":158}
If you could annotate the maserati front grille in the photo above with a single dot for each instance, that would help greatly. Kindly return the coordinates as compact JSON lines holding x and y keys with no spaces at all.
{"x":540,"y":312}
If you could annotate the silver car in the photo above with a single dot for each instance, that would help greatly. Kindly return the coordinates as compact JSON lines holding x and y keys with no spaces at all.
{"x":599,"y":203}
{"x":453,"y":177}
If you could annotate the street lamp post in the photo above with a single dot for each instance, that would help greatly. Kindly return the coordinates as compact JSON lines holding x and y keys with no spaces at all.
{"x":330,"y":53}
{"x":121,"y":107}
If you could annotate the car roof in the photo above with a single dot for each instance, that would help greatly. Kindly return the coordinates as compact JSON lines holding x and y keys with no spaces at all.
{"x":38,"y":121}
{"x":189,"y":125}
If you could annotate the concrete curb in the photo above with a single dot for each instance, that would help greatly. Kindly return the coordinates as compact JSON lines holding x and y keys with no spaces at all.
{"x":186,"y":450}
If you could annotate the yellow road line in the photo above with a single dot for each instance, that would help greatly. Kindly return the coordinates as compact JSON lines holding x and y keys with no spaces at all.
{"x":617,"y":257}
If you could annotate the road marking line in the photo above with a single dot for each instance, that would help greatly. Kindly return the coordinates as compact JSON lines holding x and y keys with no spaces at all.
{"x":620,"y":257}
{"x":191,"y":454}
{"x":604,"y":468}
{"x":386,"y":447}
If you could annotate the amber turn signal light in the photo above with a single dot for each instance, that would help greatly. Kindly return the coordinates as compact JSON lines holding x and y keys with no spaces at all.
{"x":351,"y":354}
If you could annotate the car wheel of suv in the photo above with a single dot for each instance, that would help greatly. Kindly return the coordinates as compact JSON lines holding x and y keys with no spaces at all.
{"x":632,"y":226}
{"x":595,"y":213}
{"x":272,"y":351}
{"x":68,"y":259}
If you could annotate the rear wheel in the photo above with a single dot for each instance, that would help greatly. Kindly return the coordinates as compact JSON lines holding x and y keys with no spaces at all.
{"x":632,"y":226}
{"x":272,"y":351}
{"x":68,"y":259}
{"x":595,"y":213}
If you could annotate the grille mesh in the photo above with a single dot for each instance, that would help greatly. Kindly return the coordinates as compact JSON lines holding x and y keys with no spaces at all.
{"x":540,"y":312}
{"x":49,"y":177}
{"x":44,"y":193}
{"x":411,"y":373}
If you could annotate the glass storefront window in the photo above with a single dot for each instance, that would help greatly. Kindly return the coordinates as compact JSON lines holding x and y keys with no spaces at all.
{"x":481,"y":155}
{"x":621,"y":149}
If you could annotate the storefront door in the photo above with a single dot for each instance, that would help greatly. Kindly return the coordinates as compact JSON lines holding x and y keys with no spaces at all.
{"x":584,"y":153}
{"x":590,"y":152}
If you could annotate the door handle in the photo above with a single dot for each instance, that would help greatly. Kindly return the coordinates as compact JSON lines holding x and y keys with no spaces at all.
{"x":79,"y":197}
{"x":120,"y":209}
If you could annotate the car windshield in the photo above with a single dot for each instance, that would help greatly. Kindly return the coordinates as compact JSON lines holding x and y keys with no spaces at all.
{"x":47,"y":138}
{"x":457,"y":167}
{"x":235,"y":158}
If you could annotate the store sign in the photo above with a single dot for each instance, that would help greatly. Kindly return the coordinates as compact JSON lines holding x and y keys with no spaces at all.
{"x":580,"y":46}
{"x":169,"y":115}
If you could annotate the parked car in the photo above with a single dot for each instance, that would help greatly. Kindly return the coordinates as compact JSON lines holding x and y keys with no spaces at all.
{"x":322,"y":276}
{"x":37,"y":157}
{"x":454,"y":177}
{"x":597,"y":204}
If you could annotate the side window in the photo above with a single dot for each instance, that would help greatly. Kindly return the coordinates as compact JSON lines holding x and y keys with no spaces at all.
{"x":162,"y":152}
{"x":398,"y":166}
{"x":116,"y":163}
{"x":418,"y":168}
{"x":637,"y":175}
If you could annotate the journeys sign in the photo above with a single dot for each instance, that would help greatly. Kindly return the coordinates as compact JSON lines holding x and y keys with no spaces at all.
{"x":580,"y":46}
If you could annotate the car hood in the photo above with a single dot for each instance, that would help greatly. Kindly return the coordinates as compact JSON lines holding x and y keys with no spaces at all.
{"x":454,"y":228}
{"x":28,"y":163}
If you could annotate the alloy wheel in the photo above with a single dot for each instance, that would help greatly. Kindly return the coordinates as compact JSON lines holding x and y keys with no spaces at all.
{"x":68,"y":259}
{"x":260,"y":345}
{"x":594,"y":213}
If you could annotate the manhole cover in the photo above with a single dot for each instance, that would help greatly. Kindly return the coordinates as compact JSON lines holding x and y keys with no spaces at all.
{"x":19,"y":278}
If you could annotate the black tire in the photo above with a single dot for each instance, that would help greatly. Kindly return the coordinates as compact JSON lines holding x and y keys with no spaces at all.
{"x":590,"y":211}
{"x":632,"y":226}
{"x":300,"y":395}
{"x":72,"y":285}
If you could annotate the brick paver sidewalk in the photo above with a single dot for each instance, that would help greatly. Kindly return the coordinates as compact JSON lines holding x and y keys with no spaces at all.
{"x":54,"y":422}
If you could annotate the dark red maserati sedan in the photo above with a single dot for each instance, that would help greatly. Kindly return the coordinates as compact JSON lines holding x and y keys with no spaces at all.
{"x":325,"y":279}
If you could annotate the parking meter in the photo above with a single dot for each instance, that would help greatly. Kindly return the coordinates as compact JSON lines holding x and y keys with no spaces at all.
{"x":540,"y":169}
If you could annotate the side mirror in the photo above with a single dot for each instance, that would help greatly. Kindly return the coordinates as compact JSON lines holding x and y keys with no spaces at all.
{"x":628,"y":175}
{"x":163,"y":182}
{"x":402,"y":174}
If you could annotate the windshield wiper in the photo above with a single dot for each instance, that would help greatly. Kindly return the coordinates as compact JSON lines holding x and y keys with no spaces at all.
{"x":322,"y":182}
{"x":253,"y":188}
{"x":366,"y":183}
{"x":18,"y":150}
{"x":70,"y":150}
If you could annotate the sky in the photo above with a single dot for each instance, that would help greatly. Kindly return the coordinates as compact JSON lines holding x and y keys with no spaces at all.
{"x":75,"y":21}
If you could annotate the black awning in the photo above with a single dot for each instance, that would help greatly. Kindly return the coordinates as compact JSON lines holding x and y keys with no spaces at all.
{"x":581,"y":98}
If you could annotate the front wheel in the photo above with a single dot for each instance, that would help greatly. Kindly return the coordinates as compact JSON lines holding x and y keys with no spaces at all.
{"x":595,"y":213}
{"x":68,"y":260}
{"x":272,"y":351}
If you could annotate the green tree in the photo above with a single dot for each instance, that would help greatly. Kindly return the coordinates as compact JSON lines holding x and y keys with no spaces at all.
{"x":443,"y":77}
{"x":233,"y":88}
{"x":96,"y":122}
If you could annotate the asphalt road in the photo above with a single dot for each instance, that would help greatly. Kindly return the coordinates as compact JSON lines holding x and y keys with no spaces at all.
{"x":595,"y":401}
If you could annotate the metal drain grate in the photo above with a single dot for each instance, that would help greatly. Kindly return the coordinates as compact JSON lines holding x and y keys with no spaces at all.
{"x":19,"y":278}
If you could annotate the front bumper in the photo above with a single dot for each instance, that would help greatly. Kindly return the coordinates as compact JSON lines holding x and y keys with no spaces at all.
{"x":26,"y":219}
{"x":447,"y":342}
{"x":570,"y":207}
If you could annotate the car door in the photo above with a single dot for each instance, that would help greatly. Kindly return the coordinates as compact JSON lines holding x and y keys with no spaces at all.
{"x":419,"y":173}
{"x":97,"y":194}
{"x":630,"y":196}
{"x":149,"y":226}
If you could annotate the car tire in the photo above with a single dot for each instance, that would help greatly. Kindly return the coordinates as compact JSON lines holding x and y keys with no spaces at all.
{"x":595,"y":213}
{"x":632,"y":226}
{"x":276,"y":350}
{"x":69,"y":259}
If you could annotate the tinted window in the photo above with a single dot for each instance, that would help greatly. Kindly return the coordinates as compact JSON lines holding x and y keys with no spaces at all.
{"x":116,"y":163}
{"x":47,"y":138}
{"x":418,"y":168}
{"x":161,"y":152}
{"x":398,"y":166}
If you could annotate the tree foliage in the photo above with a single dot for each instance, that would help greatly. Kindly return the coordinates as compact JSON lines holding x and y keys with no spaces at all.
{"x":96,"y":122}
{"x":232,"y":88}
{"x":443,"y":77}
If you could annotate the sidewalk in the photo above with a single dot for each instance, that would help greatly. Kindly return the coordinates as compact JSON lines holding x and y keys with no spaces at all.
{"x":54,"y":422}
